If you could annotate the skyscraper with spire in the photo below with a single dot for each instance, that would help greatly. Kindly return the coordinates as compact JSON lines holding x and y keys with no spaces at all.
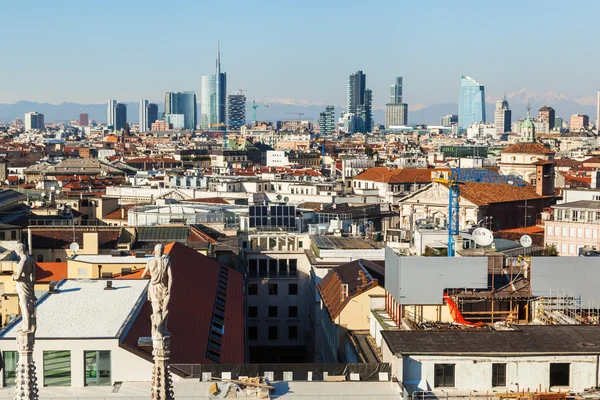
{"x":213,"y":95}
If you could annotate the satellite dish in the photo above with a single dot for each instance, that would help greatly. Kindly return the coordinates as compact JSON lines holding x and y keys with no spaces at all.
{"x":278,"y":197}
{"x":74,"y":247}
{"x":482,"y":236}
{"x":286,"y":199}
{"x":526,"y":241}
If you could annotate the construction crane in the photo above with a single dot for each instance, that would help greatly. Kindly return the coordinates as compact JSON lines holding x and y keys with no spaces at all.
{"x":297,"y":113}
{"x":254,"y":107}
{"x":457,"y":176}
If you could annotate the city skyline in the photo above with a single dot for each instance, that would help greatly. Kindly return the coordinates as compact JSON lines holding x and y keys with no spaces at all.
{"x":98,"y":81}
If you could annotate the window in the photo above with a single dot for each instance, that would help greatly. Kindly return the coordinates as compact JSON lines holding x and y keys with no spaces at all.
{"x":13,"y":235}
{"x":272,"y":289}
{"x":253,"y":268}
{"x":10,"y":367}
{"x":252,"y":333}
{"x":273,"y":333}
{"x":262,"y":268}
{"x":293,"y":267}
{"x":252,"y":289}
{"x":300,"y":244}
{"x":40,"y":258}
{"x":550,"y":230}
{"x":292,"y":332}
{"x":293,"y":288}
{"x":272,"y":311}
{"x":282,"y":267}
{"x":252,"y":312}
{"x":2,"y":235}
{"x":293,"y":311}
{"x":498,"y":374}
{"x":57,"y":368}
{"x":97,"y":368}
{"x":559,"y":374}
{"x":444,"y":375}
{"x":272,"y":267}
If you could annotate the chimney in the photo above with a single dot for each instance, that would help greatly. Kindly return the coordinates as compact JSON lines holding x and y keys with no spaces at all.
{"x":544,"y":184}
{"x":122,"y":212}
{"x":109,"y":285}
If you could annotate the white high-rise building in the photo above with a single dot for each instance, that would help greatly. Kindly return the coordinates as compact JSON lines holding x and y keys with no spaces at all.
{"x":502,"y":117}
{"x":111,"y":113}
{"x":33,"y":121}
{"x":143,"y":121}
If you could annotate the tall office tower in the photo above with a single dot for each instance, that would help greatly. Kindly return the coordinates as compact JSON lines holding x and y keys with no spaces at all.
{"x":213,"y":95}
{"x":152,"y":114}
{"x":449,"y":120}
{"x":471,"y":103}
{"x":236,"y":111}
{"x":143,"y":120}
{"x":578,"y":122}
{"x":208,"y":97}
{"x":182,"y":103}
{"x":547,"y":114}
{"x":360,"y":102}
{"x":221,"y":92}
{"x":502,"y":117}
{"x":84,"y":119}
{"x":396,"y":112}
{"x":120,"y":116}
{"x":34,"y":120}
{"x":327,"y":121}
{"x":110,"y":113}
{"x":148,"y":115}
{"x":396,"y":92}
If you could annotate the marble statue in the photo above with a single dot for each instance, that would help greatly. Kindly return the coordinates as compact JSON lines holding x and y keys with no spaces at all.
{"x":159,"y":291}
{"x":25,"y":278}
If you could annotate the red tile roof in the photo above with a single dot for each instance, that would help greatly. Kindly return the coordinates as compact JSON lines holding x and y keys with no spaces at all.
{"x":356,"y":275}
{"x":401,"y":175}
{"x":528,"y":148}
{"x":195,"y":282}
{"x":482,"y":194}
{"x":46,"y":272}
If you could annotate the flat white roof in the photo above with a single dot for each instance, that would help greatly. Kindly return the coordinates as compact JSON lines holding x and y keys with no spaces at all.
{"x":192,"y":389}
{"x":81,"y":308}
{"x":108,"y":259}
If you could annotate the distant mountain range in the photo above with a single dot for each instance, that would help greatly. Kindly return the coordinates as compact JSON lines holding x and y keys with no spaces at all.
{"x":279,"y":109}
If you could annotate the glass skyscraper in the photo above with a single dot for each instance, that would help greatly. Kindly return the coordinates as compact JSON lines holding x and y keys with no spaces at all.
{"x":360,"y":102}
{"x":471,"y":103}
{"x":208,"y":98}
{"x":182,"y":103}
{"x":213,"y":88}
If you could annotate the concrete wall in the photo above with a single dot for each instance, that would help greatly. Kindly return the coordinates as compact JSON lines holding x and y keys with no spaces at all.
{"x":357,"y":312}
{"x":475,"y":373}
{"x":125,"y":366}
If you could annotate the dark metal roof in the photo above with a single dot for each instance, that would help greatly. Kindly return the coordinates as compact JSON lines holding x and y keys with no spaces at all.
{"x":587,"y":204}
{"x":340,"y":243}
{"x":523,"y":340}
{"x":163,"y":234}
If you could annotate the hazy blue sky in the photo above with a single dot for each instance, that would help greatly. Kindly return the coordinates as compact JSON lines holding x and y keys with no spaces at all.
{"x":93,"y":50}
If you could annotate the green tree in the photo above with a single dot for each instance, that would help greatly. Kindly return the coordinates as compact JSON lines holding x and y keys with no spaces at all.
{"x":369,"y":151}
{"x":550,"y":250}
